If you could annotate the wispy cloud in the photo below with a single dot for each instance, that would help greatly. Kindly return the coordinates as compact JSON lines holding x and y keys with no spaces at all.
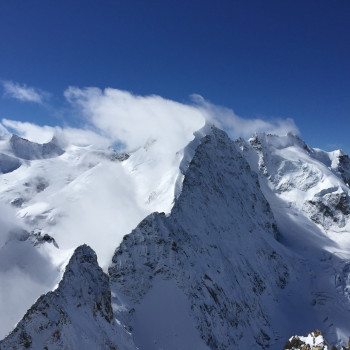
{"x":236,"y":126}
{"x":23,"y":93}
{"x":42,"y":134}
{"x":113,"y":115}
{"x":133,"y":119}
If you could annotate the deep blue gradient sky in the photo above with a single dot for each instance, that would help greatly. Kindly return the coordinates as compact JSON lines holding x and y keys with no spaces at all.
{"x":261,"y":58}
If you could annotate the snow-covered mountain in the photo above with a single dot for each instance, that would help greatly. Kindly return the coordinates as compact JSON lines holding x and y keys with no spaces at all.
{"x":218,"y":245}
{"x":311,"y":180}
{"x":78,"y":314}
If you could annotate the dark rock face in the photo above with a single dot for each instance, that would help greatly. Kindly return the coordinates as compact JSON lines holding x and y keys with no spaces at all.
{"x":344,"y":168}
{"x":28,"y":150}
{"x":17,"y":202}
{"x":223,"y":262}
{"x":78,"y":314}
{"x":329,"y":208}
{"x":39,"y":238}
{"x":342,"y":280}
{"x":8,"y":163}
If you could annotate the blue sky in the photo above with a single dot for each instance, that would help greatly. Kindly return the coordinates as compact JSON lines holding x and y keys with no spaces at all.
{"x":263,"y":59}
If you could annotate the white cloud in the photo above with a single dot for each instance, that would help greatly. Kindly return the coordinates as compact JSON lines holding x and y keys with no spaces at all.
{"x":3,"y":130}
{"x":116,"y":116}
{"x":30,"y":131}
{"x":23,"y":92}
{"x":236,"y":126}
{"x":132,"y":119}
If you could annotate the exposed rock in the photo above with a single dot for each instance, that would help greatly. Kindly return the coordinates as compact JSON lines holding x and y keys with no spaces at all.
{"x":28,"y":150}
{"x":344,"y":168}
{"x":8,"y":163}
{"x":39,"y":238}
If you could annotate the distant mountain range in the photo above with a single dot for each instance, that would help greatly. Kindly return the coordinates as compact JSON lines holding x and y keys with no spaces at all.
{"x":221,"y":245}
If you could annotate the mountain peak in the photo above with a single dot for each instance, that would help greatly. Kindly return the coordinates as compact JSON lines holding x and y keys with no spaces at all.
{"x":84,"y":280}
{"x":78,"y":314}
{"x":199,"y":249}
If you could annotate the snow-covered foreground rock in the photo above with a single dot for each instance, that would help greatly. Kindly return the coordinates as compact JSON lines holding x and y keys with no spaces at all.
{"x":254,"y":248}
{"x":312,"y":341}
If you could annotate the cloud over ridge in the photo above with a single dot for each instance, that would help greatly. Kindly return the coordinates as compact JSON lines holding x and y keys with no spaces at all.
{"x":236,"y":126}
{"x":115,"y":116}
{"x":133,"y":119}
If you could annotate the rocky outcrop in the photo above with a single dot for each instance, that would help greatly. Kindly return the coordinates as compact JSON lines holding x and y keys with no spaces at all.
{"x":78,"y":314}
{"x":28,"y":150}
{"x":344,"y":168}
